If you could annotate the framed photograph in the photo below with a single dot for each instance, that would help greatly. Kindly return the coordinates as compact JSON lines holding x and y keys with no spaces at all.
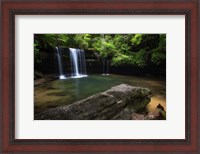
{"x":83,"y":76}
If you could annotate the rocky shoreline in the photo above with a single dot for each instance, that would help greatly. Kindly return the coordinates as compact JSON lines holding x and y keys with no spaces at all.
{"x":122,"y":102}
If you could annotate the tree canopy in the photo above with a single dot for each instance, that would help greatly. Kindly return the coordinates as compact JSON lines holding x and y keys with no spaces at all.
{"x":136,"y":49}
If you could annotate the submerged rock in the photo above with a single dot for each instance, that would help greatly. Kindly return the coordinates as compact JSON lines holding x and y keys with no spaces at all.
{"x":116,"y":103}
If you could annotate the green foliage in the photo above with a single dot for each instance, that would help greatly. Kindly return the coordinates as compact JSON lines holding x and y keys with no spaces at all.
{"x":97,"y":44}
{"x":140,"y":58}
{"x":112,"y":47}
{"x":137,"y":38}
{"x":119,"y":59}
{"x":122,"y":43}
{"x":50,"y":39}
{"x":137,"y":58}
{"x":62,"y":39}
{"x":104,"y":45}
{"x":159,"y":53}
{"x":43,"y":41}
{"x":122,"y":48}
{"x":82,"y":40}
{"x":136,"y":49}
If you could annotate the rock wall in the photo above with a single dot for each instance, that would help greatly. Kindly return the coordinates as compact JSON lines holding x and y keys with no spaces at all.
{"x":119,"y":102}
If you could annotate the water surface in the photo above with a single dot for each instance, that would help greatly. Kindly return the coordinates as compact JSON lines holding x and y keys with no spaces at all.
{"x":63,"y":92}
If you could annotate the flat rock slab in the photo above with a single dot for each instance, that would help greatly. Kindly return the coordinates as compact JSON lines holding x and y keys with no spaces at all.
{"x":116,"y":103}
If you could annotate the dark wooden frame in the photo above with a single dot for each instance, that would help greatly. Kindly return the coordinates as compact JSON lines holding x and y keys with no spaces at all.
{"x":156,"y":7}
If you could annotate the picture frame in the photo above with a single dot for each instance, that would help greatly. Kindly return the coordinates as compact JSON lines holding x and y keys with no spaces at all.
{"x":47,"y":7}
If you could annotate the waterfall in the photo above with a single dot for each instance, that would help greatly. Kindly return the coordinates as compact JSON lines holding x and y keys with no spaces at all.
{"x":60,"y":65}
{"x":78,"y":64}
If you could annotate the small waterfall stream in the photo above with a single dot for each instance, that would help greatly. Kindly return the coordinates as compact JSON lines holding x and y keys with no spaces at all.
{"x":60,"y":65}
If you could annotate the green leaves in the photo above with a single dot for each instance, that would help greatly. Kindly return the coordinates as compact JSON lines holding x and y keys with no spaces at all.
{"x":159,"y":54}
{"x":62,"y":39}
{"x":119,"y":59}
{"x":136,"y":49}
{"x":136,"y":39}
{"x":104,"y":45}
{"x":140,"y":58}
{"x":112,"y":45}
{"x":137,"y":58}
{"x":50,"y":39}
{"x":82,"y":40}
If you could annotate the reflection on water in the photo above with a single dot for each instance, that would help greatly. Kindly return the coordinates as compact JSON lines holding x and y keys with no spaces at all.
{"x":64,"y":92}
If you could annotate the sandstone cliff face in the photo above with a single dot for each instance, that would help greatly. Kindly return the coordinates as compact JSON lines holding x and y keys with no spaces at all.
{"x":117,"y":103}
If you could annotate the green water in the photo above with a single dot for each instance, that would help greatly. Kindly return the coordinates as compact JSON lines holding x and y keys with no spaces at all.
{"x":63,"y":92}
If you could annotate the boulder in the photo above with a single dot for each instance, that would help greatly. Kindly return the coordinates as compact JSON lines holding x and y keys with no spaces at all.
{"x":158,"y":114}
{"x":116,"y":103}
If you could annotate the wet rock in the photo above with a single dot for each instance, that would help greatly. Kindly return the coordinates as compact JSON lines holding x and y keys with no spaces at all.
{"x":136,"y":116}
{"x":161,"y":113}
{"x":158,"y":114}
{"x":123,"y":115}
{"x":116,"y":103}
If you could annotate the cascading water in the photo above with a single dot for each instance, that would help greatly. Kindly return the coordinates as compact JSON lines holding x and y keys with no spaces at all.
{"x":78,"y":64}
{"x":59,"y":55}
